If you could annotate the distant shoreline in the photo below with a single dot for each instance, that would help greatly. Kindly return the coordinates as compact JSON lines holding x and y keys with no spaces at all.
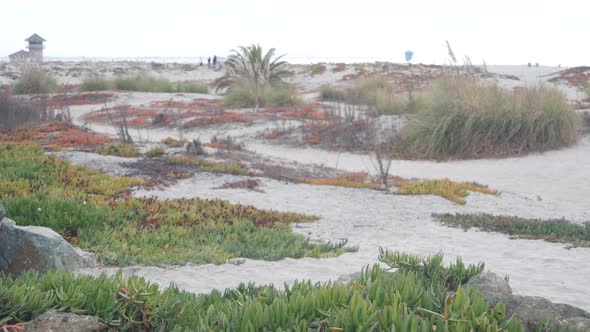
{"x":291,"y":60}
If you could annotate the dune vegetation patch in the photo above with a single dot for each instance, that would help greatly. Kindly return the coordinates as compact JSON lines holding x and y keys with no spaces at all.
{"x":15,"y":112}
{"x":377,"y":94}
{"x":278,"y":94}
{"x":207,"y":165}
{"x":339,"y":67}
{"x":551,"y":230}
{"x":174,"y":143}
{"x":317,"y":69}
{"x":55,"y":135}
{"x":119,"y":150}
{"x":423,"y":295}
{"x":33,"y":80}
{"x":255,"y":79}
{"x":465,"y":119}
{"x":141,"y":83}
{"x":445,"y":188}
{"x":155,"y":152}
{"x":451,"y":190}
{"x":348,"y":180}
{"x":94,"y":211}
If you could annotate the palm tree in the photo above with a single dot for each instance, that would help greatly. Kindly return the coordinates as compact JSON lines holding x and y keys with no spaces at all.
{"x":247,"y":64}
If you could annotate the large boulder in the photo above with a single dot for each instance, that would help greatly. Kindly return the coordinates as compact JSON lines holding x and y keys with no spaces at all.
{"x":54,"y":321}
{"x":534,"y":310}
{"x":490,"y":284}
{"x":32,"y":248}
{"x":531,"y":310}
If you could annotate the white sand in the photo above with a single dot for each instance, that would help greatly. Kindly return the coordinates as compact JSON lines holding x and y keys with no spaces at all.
{"x":372,"y":219}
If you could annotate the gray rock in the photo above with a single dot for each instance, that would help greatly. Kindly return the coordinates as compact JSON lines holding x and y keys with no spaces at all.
{"x":36,"y":249}
{"x":566,"y":310}
{"x":54,"y":321}
{"x":2,"y":211}
{"x":490,"y":284}
{"x":7,"y":222}
{"x":347,"y":278}
{"x":530,"y":310}
{"x":576,"y":323}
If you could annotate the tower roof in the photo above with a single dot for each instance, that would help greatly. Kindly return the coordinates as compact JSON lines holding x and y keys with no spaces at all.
{"x":35,"y":39}
{"x":19,"y":53}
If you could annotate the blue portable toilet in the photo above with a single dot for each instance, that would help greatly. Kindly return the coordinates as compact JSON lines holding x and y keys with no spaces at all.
{"x":409,"y":55}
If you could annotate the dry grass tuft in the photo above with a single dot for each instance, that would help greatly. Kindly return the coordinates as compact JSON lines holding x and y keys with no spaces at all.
{"x":453,"y":191}
{"x":349,"y":180}
{"x":174,"y":143}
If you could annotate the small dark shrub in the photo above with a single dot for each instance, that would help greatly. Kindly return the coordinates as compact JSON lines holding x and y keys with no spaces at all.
{"x":15,"y":112}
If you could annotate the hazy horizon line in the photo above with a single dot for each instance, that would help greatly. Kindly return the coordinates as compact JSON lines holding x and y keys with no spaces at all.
{"x":297,"y":60}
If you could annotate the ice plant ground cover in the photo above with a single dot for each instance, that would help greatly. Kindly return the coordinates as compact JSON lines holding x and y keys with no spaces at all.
{"x":422,"y":295}
{"x":93,"y":210}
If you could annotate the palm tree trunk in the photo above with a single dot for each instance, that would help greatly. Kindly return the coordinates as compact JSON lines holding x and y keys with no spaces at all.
{"x":257,"y":98}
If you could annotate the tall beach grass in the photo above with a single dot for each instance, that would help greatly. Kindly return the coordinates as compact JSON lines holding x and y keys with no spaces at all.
{"x":34,"y":79}
{"x":141,"y":83}
{"x":276,"y":95}
{"x":466,"y":119}
{"x":376,"y":93}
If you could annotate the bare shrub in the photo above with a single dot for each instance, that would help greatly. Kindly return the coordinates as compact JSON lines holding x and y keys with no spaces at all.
{"x":195,"y":147}
{"x":382,"y":140}
{"x":17,"y":111}
{"x":119,"y":122}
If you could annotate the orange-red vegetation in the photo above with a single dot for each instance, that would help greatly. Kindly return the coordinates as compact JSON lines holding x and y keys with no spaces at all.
{"x":60,"y":134}
{"x":65,"y":99}
{"x":307,"y":112}
{"x":276,"y":133}
{"x":196,"y":105}
{"x":208,"y":118}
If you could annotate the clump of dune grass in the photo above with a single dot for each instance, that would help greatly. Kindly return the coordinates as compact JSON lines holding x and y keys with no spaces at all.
{"x":451,"y":190}
{"x":376,"y":93}
{"x":331,"y":93}
{"x":551,"y":230}
{"x":119,"y":150}
{"x":317,"y":69}
{"x":339,"y":67}
{"x":208,"y":166}
{"x":95,"y":82}
{"x":466,"y":119}
{"x":278,"y":94}
{"x":141,"y":83}
{"x":33,"y":80}
{"x":155,"y":152}
{"x":348,"y":180}
{"x":174,"y":143}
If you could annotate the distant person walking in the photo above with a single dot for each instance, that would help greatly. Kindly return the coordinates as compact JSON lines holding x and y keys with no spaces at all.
{"x":209,"y":62}
{"x":214,"y":61}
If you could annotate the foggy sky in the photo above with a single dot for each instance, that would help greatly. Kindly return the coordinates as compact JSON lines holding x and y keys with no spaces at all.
{"x":499,"y":32}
